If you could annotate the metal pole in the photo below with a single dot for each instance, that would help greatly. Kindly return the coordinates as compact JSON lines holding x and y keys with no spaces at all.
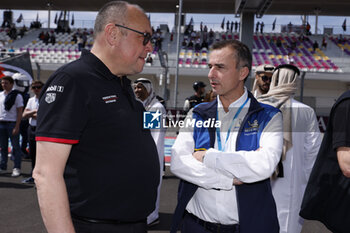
{"x":177,"y":51}
{"x":317,"y":12}
{"x":49,"y":15}
{"x":302,"y":86}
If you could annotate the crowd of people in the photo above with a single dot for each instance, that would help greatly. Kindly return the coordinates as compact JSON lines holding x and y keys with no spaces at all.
{"x":47,"y":37}
{"x":98,"y":169}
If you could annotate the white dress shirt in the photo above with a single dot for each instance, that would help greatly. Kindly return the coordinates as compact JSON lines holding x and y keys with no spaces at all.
{"x":215,"y":199}
{"x":10,"y":115}
{"x":33,"y":103}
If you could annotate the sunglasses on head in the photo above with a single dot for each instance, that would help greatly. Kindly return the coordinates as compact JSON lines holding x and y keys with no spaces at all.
{"x":146,"y":36}
{"x":266,"y":78}
{"x":36,"y":87}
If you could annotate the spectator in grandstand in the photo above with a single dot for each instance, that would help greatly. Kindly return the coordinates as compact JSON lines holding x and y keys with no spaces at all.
{"x":324,"y":43}
{"x":74,"y":39}
{"x":184,"y":43}
{"x":307,"y":28}
{"x":22,"y":31}
{"x":290,"y":59}
{"x":30,"y":112}
{"x":293,"y":44}
{"x":290,"y":27}
{"x":327,"y":196}
{"x":198,"y":45}
{"x":144,"y":91}
{"x":205,"y":28}
{"x":46,"y":38}
{"x":263,"y":74}
{"x":13,"y":32}
{"x":315,"y":45}
{"x":149,"y":59}
{"x":158,"y":43}
{"x":190,"y":44}
{"x":11,"y":49}
{"x":97,"y":169}
{"x":236,"y":26}
{"x":11,"y":107}
{"x":340,"y":39}
{"x":257,"y":25}
{"x":53,"y":38}
{"x":211,"y":34}
{"x":301,"y":141}
{"x":205,"y":44}
{"x":262,"y":27}
{"x":301,"y":38}
{"x":193,"y":35}
{"x":226,"y":188}
{"x":80,"y":43}
{"x":278,"y":42}
{"x":197,"y":98}
{"x":2,"y":48}
{"x":41,"y":35}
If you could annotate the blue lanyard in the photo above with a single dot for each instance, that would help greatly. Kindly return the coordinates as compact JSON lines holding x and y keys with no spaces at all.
{"x":229,"y":129}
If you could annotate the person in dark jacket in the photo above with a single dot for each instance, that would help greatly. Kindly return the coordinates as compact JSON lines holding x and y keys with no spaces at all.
{"x":327,"y":196}
{"x":197,"y":98}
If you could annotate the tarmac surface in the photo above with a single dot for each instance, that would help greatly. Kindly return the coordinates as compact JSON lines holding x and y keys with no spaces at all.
{"x":19,"y":209}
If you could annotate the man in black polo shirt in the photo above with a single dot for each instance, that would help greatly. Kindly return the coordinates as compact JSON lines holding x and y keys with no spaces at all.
{"x":97,"y":169}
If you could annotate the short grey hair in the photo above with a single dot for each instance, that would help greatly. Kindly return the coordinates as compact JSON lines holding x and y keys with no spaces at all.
{"x":114,"y":11}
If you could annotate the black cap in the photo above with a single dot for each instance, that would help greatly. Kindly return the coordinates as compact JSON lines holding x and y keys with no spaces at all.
{"x":197,"y":85}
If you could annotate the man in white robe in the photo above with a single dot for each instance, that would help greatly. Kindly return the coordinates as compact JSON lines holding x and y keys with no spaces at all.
{"x":144,"y":91}
{"x":301,"y":142}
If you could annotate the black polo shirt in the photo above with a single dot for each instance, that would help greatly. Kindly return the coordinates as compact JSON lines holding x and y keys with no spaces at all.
{"x":112,"y":171}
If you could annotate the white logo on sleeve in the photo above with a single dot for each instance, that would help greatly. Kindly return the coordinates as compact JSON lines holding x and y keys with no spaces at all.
{"x":55,"y":88}
{"x":50,"y":97}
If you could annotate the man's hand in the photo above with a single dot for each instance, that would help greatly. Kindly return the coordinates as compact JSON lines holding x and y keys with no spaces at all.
{"x":199,"y":155}
{"x":343,"y":154}
{"x":15,"y":131}
{"x":237,"y":181}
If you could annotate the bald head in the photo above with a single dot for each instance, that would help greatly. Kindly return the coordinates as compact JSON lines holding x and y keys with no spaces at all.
{"x":114,"y":12}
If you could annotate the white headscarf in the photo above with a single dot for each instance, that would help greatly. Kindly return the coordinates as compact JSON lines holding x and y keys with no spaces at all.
{"x":282,"y":89}
{"x":149,"y":88}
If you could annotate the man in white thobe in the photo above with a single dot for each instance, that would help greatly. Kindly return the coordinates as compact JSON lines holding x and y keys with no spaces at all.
{"x":301,"y":142}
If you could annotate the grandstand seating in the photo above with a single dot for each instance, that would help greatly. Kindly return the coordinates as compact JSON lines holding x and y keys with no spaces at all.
{"x":342,"y":43}
{"x":63,"y":51}
{"x":4,"y":37}
{"x":265,"y":50}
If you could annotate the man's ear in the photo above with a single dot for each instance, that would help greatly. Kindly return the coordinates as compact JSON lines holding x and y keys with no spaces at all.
{"x":256,"y":76}
{"x":111,"y":33}
{"x":243,"y":73}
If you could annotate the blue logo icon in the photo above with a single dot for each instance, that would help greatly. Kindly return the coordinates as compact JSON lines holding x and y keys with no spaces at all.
{"x":151,"y":120}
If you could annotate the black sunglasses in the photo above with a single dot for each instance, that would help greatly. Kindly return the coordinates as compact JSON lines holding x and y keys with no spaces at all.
{"x":146,"y":36}
{"x":266,"y":78}
{"x":36,"y":87}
